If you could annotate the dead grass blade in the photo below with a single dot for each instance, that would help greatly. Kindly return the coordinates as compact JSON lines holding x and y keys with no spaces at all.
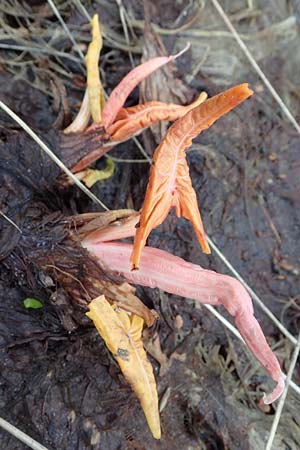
{"x":283,"y":397}
{"x":63,"y":24}
{"x":52,"y":155}
{"x":256,"y":67}
{"x":252,"y":293}
{"x":83,"y":9}
{"x":10,"y":221}
{"x":234,"y":331}
{"x":94,"y":85}
{"x":122,"y":12}
{"x":18,"y":434}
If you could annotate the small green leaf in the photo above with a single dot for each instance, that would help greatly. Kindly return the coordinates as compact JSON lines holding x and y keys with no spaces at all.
{"x":32,"y":303}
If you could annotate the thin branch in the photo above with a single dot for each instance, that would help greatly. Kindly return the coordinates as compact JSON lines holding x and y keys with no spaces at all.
{"x":52,"y":155}
{"x":283,"y":397}
{"x":252,"y":293}
{"x":256,"y":67}
{"x":18,"y":434}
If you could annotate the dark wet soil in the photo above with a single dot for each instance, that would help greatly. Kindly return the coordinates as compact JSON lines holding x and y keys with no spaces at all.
{"x":58,"y":381}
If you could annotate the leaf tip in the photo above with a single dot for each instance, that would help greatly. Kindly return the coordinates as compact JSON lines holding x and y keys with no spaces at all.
{"x":245,"y":90}
{"x":268,"y":399}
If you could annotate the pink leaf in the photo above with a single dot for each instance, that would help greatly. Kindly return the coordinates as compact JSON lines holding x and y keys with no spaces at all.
{"x":130,"y":81}
{"x":176,"y":276}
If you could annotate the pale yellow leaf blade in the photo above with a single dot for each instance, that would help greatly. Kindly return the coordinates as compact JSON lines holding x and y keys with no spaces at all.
{"x":82,"y":119}
{"x":94,"y":86}
{"x":123,"y":336}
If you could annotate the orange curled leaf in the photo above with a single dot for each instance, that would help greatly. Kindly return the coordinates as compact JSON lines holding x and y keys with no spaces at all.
{"x":123,"y":337}
{"x":170,"y":183}
{"x":130,"y":81}
{"x":132,"y":121}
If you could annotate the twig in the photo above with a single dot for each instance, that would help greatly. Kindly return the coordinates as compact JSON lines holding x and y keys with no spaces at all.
{"x":283,"y":397}
{"x":261,"y":202}
{"x":252,"y":293}
{"x":21,"y":436}
{"x":256,"y":67}
{"x":49,"y":152}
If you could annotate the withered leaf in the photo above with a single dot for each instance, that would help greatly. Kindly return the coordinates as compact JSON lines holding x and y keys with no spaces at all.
{"x":122,"y":335}
{"x":94,"y":86}
{"x":133,"y":120}
{"x":129,"y":82}
{"x":170,"y":184}
{"x":174,"y":91}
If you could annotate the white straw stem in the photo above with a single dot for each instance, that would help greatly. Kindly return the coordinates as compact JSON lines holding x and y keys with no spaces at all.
{"x":23,"y":437}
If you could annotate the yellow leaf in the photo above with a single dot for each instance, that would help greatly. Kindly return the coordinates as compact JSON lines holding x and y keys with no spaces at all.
{"x":94,"y":86}
{"x":122,"y":335}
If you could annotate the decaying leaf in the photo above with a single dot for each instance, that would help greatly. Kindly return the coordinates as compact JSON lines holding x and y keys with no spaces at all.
{"x":132,"y":121}
{"x":110,"y":225}
{"x":122,"y":335}
{"x":91,"y":176}
{"x":137,"y":117}
{"x":92,"y":222}
{"x":176,"y":276}
{"x":123,"y":296}
{"x":93,"y":101}
{"x":94,"y":86}
{"x":130,"y":81}
{"x":170,"y":183}
{"x":153,"y":347}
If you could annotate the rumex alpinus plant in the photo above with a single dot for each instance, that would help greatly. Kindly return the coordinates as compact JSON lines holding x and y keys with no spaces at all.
{"x":169,"y":186}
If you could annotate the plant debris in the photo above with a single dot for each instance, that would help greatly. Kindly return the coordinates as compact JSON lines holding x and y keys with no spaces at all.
{"x":122,"y":334}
